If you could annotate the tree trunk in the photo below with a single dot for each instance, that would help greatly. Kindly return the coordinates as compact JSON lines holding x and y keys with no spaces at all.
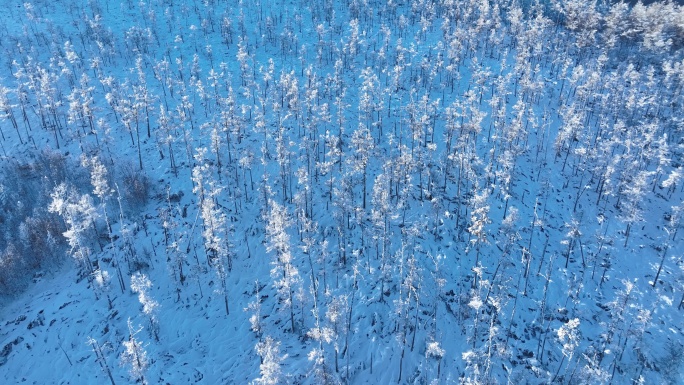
{"x":660,"y":267}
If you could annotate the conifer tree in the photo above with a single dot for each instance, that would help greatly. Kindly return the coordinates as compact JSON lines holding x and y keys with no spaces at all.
{"x":141,"y":285}
{"x":285,"y":274}
{"x":134,"y":355}
{"x":271,"y":362}
{"x":100,"y":358}
{"x":479,"y":219}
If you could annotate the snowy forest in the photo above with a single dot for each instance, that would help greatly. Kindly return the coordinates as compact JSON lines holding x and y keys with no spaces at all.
{"x":341,"y":192}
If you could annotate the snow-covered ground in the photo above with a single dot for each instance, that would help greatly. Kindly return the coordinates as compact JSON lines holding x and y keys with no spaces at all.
{"x":358,"y":192}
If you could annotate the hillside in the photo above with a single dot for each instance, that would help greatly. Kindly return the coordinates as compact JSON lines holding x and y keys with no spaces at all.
{"x":353,"y":192}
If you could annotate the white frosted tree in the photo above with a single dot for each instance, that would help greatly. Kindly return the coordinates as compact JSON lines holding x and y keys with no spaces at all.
{"x":215,"y":231}
{"x":370,"y":99}
{"x":271,"y":362}
{"x":134,"y":355}
{"x":81,"y":110}
{"x":569,"y":337}
{"x":99,"y":180}
{"x":6,"y":110}
{"x":334,"y":316}
{"x":324,"y":335}
{"x":215,"y":242}
{"x":407,"y":304}
{"x":79,"y":214}
{"x":381,"y":215}
{"x":141,"y":285}
{"x":363,"y":145}
{"x":285,"y":274}
{"x":254,"y":307}
{"x":436,"y":352}
{"x":100,"y":358}
{"x":479,"y":219}
{"x":102,"y":284}
{"x":634,"y":191}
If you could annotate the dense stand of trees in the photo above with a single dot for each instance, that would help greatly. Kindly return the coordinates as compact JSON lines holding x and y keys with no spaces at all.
{"x":416,"y":175}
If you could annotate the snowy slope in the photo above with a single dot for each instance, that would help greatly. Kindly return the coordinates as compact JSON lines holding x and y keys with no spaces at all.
{"x":472,"y":227}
